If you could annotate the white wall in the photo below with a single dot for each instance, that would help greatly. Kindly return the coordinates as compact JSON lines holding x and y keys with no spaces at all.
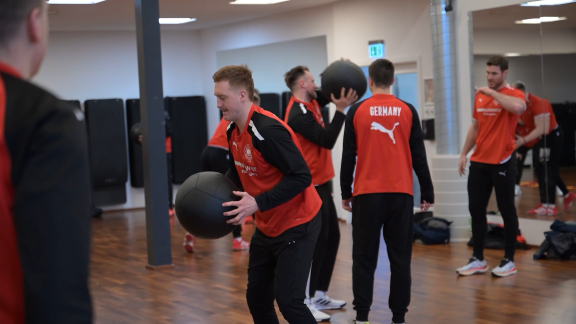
{"x":270,"y":62}
{"x":101,"y":65}
{"x":529,"y":42}
{"x":405,"y":28}
{"x":403,"y":25}
{"x":280,"y":28}
{"x":97,"y":65}
{"x":348,"y":27}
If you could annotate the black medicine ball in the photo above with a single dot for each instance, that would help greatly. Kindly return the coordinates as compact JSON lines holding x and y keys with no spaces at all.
{"x":343,"y":74}
{"x":199,"y":204}
{"x":135,"y":133}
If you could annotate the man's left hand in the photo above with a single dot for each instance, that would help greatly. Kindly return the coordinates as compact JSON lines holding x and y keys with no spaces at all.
{"x":246,"y":207}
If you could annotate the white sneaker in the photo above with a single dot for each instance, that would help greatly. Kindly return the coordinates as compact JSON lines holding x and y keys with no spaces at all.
{"x":505,"y":269}
{"x":474,"y":266}
{"x":559,"y":192}
{"x":517,"y":190}
{"x":318,"y":315}
{"x":326,"y":302}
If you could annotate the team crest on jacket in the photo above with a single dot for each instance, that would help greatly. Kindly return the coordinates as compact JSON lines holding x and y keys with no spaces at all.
{"x":248,"y":153}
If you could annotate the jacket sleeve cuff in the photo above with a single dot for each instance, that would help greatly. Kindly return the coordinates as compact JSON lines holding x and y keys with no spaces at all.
{"x":261,"y":202}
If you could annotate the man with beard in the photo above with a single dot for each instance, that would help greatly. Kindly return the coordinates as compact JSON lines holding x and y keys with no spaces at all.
{"x":304,"y":117}
{"x":497,"y":109}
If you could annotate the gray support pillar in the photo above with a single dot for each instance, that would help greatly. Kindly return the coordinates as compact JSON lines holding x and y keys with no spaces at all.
{"x":446,"y":118}
{"x":450,"y":189}
{"x":153,"y":133}
{"x":471,"y":50}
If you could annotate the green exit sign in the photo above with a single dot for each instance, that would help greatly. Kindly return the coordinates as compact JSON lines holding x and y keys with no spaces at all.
{"x":376,"y":49}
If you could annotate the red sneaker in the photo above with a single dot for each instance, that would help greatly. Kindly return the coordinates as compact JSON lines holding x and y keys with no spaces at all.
{"x":189,"y":243}
{"x":239,"y":245}
{"x":539,"y":210}
{"x":552,"y":211}
{"x":171,"y":212}
{"x":568,"y":200}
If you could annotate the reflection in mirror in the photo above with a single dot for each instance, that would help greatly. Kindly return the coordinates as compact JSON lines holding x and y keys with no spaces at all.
{"x":503,"y":31}
{"x":558,"y":27}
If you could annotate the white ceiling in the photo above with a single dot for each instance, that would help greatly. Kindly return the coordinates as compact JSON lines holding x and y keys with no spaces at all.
{"x":120,"y":14}
{"x":505,"y":17}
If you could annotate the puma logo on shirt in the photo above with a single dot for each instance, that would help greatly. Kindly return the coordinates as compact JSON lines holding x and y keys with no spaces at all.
{"x":376,"y":126}
{"x":372,"y":163}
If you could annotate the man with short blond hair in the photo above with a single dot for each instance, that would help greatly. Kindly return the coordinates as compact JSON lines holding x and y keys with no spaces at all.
{"x":266,"y":161}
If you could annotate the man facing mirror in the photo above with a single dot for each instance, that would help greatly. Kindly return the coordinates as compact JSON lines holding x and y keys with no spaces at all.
{"x":540,"y":120}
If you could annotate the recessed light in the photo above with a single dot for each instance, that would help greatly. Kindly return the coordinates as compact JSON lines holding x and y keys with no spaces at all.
{"x":175,"y":21}
{"x":512,"y":54}
{"x":535,"y":21}
{"x":256,"y":2}
{"x":546,"y":3}
{"x":74,"y":1}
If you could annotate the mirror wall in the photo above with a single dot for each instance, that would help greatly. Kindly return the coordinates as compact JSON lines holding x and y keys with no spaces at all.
{"x":539,"y":43}
{"x":558,"y":30}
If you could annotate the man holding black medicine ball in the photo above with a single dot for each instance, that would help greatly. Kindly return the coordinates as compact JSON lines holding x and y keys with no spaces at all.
{"x":305,"y":118}
{"x":266,"y":161}
{"x":215,"y":158}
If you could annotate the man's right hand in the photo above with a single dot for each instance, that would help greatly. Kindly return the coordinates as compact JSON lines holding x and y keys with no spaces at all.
{"x":486,"y":91}
{"x":424,"y":206}
{"x":462,"y":165}
{"x":345,"y":100}
{"x":347,"y":204}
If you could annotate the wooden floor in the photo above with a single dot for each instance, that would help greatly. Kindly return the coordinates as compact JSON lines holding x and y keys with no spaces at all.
{"x":531,"y":196}
{"x":209,"y":285}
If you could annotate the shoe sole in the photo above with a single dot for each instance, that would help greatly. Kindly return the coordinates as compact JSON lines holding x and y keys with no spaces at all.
{"x":320,"y":307}
{"x":537,"y":214}
{"x":473,"y":272}
{"x":189,"y":249}
{"x":507,"y":274}
{"x":566,"y":206}
{"x":243,"y":249}
{"x":187,"y":246}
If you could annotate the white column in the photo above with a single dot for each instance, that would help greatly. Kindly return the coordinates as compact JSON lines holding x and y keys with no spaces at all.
{"x":451,"y":195}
